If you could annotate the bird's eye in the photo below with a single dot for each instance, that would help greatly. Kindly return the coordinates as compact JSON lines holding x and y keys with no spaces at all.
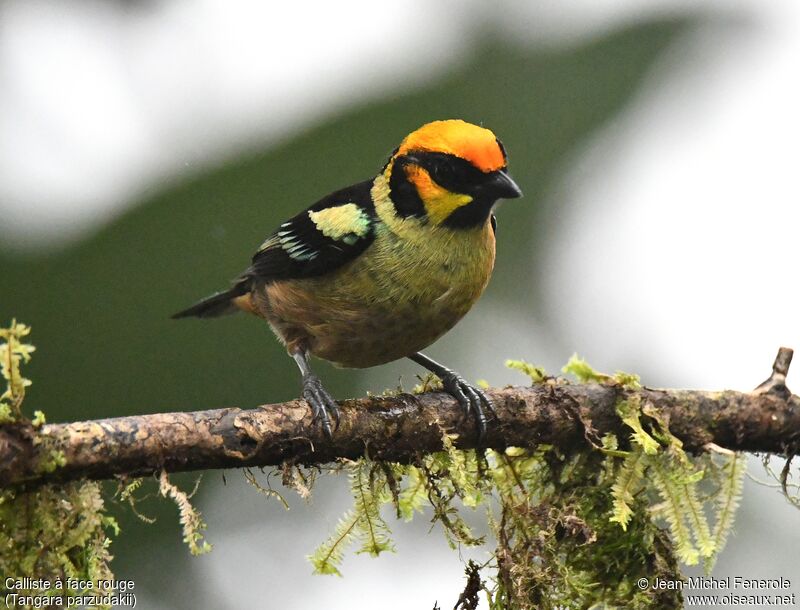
{"x":447,"y":171}
{"x":443,"y":172}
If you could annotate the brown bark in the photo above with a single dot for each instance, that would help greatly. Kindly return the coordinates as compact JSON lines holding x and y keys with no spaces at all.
{"x":396,"y":428}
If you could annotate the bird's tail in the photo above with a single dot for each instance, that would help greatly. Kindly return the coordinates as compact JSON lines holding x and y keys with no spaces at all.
{"x":220,"y":304}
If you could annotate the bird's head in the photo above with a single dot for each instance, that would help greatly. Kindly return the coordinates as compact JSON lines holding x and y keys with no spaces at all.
{"x":450,"y":173}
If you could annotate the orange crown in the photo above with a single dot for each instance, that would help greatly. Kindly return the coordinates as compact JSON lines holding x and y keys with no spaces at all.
{"x":475,"y":144}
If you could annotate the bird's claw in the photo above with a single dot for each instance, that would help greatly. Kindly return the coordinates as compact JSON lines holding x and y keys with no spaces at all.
{"x":472,"y":400}
{"x":321,"y":402}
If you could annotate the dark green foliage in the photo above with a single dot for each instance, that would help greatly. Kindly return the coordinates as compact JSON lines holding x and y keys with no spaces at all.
{"x":109,"y":297}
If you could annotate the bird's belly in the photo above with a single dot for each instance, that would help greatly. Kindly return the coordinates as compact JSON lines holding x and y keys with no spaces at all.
{"x":371,"y":315}
{"x":385,"y":331}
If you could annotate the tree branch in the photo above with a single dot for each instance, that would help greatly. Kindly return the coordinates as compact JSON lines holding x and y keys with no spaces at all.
{"x":396,"y":428}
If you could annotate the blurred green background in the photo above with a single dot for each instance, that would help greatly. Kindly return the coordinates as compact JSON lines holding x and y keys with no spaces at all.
{"x":100,"y":308}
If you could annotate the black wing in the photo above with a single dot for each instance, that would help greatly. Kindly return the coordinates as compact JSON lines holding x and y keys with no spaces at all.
{"x":330,"y":233}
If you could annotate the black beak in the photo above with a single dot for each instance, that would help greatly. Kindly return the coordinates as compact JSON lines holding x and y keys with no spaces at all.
{"x":502,"y":186}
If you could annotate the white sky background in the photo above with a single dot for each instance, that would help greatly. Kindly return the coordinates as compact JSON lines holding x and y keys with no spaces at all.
{"x":699,"y":221}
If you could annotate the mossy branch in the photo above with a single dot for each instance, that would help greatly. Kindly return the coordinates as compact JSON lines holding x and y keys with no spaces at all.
{"x":397,"y":428}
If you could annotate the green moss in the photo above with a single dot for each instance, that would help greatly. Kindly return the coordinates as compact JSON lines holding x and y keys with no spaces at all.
{"x":583,"y":372}
{"x":574,"y":530}
{"x":192,"y":522}
{"x":536,"y":373}
{"x":57,"y":533}
{"x":13,"y":352}
{"x":53,"y":459}
{"x":38,"y":420}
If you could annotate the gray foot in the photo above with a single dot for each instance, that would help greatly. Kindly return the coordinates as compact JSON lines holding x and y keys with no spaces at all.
{"x":321,"y":402}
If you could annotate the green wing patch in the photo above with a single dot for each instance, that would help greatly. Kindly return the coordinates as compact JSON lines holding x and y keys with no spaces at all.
{"x":347,"y":223}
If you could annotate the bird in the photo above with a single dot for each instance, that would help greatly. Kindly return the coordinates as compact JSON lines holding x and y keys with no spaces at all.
{"x":379,"y":270}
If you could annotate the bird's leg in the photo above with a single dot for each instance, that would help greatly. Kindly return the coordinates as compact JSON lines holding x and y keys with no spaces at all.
{"x":471,"y":399}
{"x":316,"y":395}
